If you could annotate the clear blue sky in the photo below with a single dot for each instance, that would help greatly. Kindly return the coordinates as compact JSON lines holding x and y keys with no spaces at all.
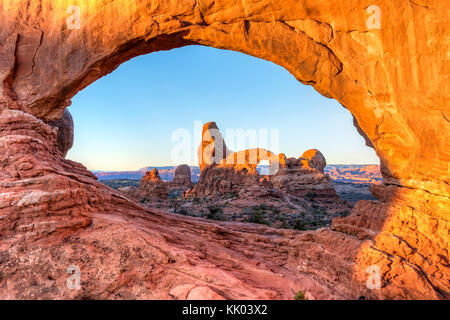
{"x":125,"y":120}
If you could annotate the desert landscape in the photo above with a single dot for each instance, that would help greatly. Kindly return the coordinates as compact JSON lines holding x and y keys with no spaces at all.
{"x":226,"y":227}
{"x":299,"y":196}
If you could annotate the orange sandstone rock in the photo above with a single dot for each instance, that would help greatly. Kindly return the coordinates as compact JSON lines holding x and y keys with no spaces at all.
{"x":151,"y":186}
{"x":393,"y":78}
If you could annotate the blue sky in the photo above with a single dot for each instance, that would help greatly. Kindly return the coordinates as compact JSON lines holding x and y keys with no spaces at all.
{"x":125,"y":121}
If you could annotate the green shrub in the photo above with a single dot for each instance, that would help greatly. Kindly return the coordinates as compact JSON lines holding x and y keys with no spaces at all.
{"x":343,"y":213}
{"x":300,"y":296}
{"x":215,"y":213}
{"x":143,"y":200}
{"x":257,"y":215}
{"x":311,"y":195}
{"x":300,"y":225}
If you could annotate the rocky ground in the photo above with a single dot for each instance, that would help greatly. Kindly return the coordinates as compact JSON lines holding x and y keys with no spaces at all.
{"x":297,"y":213}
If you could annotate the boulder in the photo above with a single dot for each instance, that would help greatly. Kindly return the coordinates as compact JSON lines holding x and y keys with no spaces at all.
{"x":65,"y":132}
{"x":313,"y":159}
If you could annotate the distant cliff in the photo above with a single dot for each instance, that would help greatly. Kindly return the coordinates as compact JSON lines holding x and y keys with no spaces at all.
{"x":350,"y":173}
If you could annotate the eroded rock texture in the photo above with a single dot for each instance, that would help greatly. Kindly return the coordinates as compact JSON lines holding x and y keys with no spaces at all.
{"x":393,"y":77}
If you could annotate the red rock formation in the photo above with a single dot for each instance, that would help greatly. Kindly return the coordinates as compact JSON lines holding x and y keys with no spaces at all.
{"x":313,"y":159}
{"x":53,"y":213}
{"x":212,"y":149}
{"x":182,"y":177}
{"x":65,"y":132}
{"x":300,"y":177}
{"x":151,"y":186}
{"x":237,"y":174}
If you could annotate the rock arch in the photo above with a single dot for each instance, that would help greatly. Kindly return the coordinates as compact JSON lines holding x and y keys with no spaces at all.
{"x":394,"y":80}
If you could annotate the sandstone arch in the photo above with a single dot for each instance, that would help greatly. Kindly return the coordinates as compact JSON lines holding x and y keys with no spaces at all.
{"x":393,"y":80}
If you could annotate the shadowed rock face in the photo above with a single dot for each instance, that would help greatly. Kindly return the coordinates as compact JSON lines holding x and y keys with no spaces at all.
{"x":53,"y":212}
{"x":182,"y":177}
{"x":65,"y":132}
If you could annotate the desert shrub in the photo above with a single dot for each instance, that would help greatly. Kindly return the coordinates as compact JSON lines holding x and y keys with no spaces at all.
{"x":311,"y":195}
{"x":120,"y":183}
{"x":257,"y":215}
{"x":231,"y":195}
{"x":300,"y":225}
{"x":175,"y":194}
{"x":300,"y":296}
{"x":215,"y":213}
{"x":284,"y":224}
{"x":176,"y":205}
{"x":143,"y":200}
{"x":343,"y":213}
{"x":177,"y":208}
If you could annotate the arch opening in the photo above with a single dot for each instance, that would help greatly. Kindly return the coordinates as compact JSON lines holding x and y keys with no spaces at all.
{"x":251,"y":98}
